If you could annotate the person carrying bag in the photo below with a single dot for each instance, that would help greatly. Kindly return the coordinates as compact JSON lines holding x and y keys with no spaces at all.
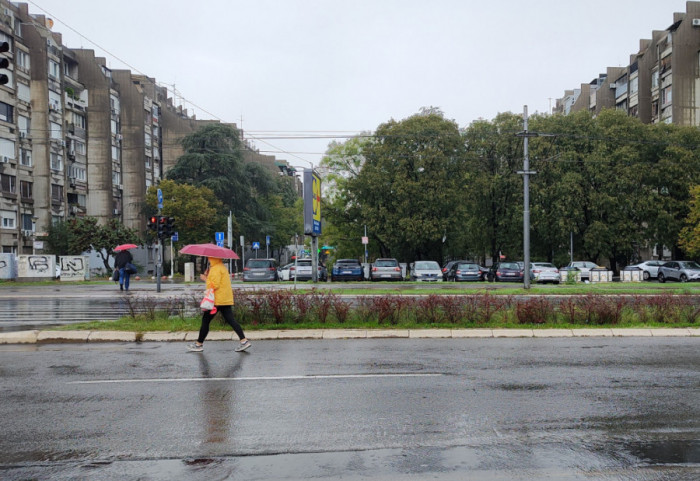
{"x":218,"y":281}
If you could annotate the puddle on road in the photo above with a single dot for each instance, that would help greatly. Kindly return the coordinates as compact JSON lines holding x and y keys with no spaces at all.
{"x":666,"y":452}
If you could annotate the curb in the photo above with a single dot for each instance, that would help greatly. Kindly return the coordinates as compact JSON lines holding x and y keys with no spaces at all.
{"x":46,"y":337}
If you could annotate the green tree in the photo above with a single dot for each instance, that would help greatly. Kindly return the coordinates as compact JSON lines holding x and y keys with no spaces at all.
{"x":213,"y":158}
{"x":406,"y":189}
{"x":690,"y":234}
{"x":197,"y":211}
{"x":493,"y":196}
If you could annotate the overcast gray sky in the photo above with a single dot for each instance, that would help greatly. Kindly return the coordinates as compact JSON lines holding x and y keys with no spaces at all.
{"x":322,"y":67}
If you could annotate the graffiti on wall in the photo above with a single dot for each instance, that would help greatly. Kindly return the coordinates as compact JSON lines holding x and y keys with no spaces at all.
{"x":74,"y":268}
{"x":36,"y":266}
{"x":7,"y":266}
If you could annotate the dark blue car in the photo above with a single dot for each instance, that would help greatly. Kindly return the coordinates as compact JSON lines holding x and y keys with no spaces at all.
{"x":347,"y":270}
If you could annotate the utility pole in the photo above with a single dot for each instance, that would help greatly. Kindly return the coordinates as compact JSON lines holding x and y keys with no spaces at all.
{"x":526,"y":197}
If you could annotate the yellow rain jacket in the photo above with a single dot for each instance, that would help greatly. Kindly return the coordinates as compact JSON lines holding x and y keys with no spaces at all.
{"x":219,"y":280}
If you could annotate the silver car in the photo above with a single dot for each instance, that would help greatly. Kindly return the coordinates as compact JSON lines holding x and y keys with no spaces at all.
{"x":545,"y":272}
{"x":650,"y":268}
{"x":682,"y":271}
{"x":427,"y":271}
{"x":386,"y":269}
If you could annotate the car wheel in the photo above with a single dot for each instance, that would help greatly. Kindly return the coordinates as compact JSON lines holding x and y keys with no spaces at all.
{"x":646,"y":275}
{"x":684,"y":278}
{"x":662,"y":278}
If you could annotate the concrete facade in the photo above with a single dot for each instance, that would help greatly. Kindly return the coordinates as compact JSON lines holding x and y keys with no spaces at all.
{"x":80,"y":139}
{"x":661,"y":82}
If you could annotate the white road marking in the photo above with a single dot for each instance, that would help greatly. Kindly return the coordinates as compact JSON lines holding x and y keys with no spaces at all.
{"x":257,"y":378}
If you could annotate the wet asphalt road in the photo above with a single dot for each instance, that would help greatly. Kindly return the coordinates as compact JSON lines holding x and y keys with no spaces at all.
{"x":388,"y":409}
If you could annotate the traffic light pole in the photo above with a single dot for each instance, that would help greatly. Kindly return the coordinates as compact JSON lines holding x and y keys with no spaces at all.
{"x":159,"y":253}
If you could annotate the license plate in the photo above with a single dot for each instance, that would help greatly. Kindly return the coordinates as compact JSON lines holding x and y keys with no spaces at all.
{"x":347,"y":272}
{"x":386,"y":275}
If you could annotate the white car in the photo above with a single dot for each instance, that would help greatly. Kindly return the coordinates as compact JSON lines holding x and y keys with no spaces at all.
{"x":682,"y":271}
{"x":545,"y":272}
{"x":650,"y":268}
{"x":584,"y":268}
{"x":284,"y":272}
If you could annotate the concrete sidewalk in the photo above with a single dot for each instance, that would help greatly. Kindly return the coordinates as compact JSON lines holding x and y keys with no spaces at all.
{"x":41,"y":337}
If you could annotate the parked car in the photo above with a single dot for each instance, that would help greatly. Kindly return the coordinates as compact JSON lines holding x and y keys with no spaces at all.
{"x":465,"y":272}
{"x":650,"y":268}
{"x":426,"y":271}
{"x":585,"y":268}
{"x":385,"y":269}
{"x":284,"y":272}
{"x":506,"y":271}
{"x":682,"y":271}
{"x":545,"y":272}
{"x":257,"y":270}
{"x":347,"y":270}
{"x":451,"y":264}
{"x":303,"y":271}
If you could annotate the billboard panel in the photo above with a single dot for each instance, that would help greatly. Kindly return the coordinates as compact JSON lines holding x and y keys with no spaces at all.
{"x":312,"y":203}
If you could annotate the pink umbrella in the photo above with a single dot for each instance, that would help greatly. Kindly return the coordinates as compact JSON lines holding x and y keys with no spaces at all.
{"x":124,"y":247}
{"x":209,"y":250}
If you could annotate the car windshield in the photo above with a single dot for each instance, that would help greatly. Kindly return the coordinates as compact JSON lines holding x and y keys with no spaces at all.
{"x":690,"y":265}
{"x":468,"y":267}
{"x":427,"y":265}
{"x":258,"y":264}
{"x":385,"y":263}
{"x":303,"y":262}
{"x":348,"y":262}
{"x":510,"y":265}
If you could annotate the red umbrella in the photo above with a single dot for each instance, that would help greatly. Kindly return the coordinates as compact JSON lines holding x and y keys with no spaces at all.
{"x":124,"y":247}
{"x":209,"y":250}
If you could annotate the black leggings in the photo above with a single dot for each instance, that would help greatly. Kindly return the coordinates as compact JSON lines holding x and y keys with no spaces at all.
{"x":225,"y":311}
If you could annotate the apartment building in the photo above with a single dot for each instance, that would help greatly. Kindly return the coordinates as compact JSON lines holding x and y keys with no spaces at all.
{"x":661,"y":82}
{"x":76,"y":137}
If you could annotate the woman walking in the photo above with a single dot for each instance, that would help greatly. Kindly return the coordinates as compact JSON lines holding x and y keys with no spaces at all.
{"x":218,"y":278}
{"x":123,"y":258}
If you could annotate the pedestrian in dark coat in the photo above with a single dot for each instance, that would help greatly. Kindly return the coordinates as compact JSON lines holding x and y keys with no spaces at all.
{"x":120,"y":261}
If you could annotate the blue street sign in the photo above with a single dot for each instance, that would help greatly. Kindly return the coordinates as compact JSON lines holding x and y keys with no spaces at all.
{"x":256,"y":246}
{"x":219,"y":236}
{"x":267,"y":240}
{"x":174,"y":237}
{"x":160,"y":199}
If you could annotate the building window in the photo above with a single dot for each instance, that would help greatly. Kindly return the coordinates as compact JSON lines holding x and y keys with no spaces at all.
{"x":116,"y":178}
{"x":7,"y":149}
{"x":9,"y":219}
{"x":25,"y":157}
{"x":634,"y":85}
{"x":23,"y":92}
{"x":56,"y":162}
{"x":56,"y":193}
{"x":149,"y":140}
{"x":56,"y":131}
{"x":148,"y":162}
{"x":79,"y":147}
{"x":24,"y":125}
{"x":8,"y":183}
{"x":666,"y":97}
{"x":79,"y":120}
{"x":655,"y":79}
{"x":115,"y":153}
{"x":54,"y":70}
{"x":6,"y":112}
{"x":27,"y":222}
{"x":25,"y":189}
{"x":22,"y":59}
{"x":78,"y":172}
{"x":54,"y":101}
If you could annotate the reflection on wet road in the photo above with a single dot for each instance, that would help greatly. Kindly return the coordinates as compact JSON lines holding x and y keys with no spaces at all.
{"x":388,"y":409}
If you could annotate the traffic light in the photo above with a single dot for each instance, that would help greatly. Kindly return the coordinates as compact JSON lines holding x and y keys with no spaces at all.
{"x":153,"y":223}
{"x":170,"y":226}
{"x":4,"y":63}
{"x":162,"y":225}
